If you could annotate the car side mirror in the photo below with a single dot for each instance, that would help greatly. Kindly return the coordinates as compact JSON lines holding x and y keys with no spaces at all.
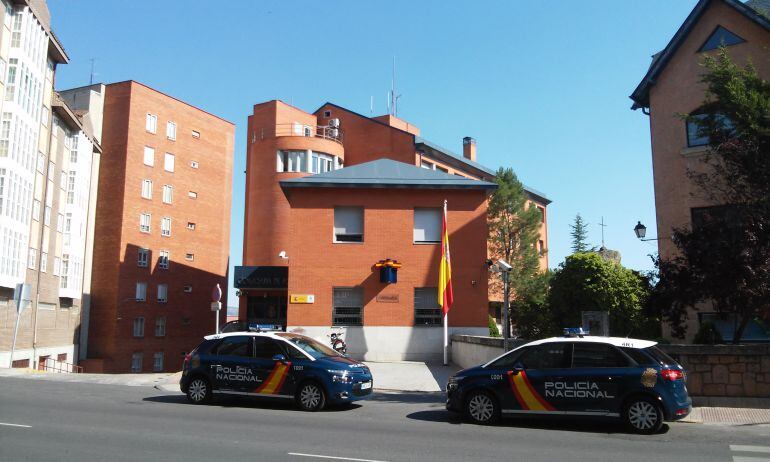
{"x":518,"y":367}
{"x":279,"y":358}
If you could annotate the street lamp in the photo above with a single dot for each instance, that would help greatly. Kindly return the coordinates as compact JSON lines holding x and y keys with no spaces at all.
{"x":502,"y":267}
{"x":640,"y":230}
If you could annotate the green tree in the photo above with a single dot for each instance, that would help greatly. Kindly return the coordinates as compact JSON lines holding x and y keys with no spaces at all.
{"x":579,"y":235}
{"x":514,"y":227}
{"x":723,"y":260}
{"x":530,"y":312}
{"x":587,"y":282}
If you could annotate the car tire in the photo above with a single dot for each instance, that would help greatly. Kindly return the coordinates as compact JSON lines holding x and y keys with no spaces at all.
{"x":481,"y":408}
{"x":310,"y":397}
{"x":199,"y":391}
{"x":643,"y":415}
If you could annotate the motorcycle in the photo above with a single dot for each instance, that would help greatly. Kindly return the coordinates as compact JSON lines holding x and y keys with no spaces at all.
{"x":338,"y":344}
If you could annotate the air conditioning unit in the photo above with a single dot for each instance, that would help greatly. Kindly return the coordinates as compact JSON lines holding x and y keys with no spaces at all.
{"x":334,"y":133}
{"x":334,"y":123}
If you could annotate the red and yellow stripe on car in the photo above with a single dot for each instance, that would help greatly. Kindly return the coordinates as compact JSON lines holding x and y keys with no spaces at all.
{"x":528,"y":398}
{"x":273,"y":383}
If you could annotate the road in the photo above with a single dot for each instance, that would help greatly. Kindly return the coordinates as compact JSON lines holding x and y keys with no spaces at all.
{"x":55,"y":421}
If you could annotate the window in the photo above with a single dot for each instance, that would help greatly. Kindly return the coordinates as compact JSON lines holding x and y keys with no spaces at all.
{"x":720,"y":37}
{"x":193,"y":164}
{"x":151,"y":124}
{"x":31,"y":258}
{"x":327,"y":113}
{"x":597,"y":355}
{"x":196,"y":134}
{"x":427,"y":311}
{"x":60,"y":222}
{"x":65,"y":270}
{"x":149,"y":156}
{"x":139,"y":327}
{"x":141,"y":291}
{"x":168,"y":162}
{"x":546,"y":356}
{"x":190,"y":225}
{"x":160,"y":326}
{"x":56,"y":266}
{"x":71,"y":187}
{"x":136,"y":362}
{"x":321,"y":163}
{"x":168,"y":193}
{"x":723,"y":215}
{"x":427,"y":225}
{"x":147,"y":189}
{"x":442,"y":169}
{"x":189,"y":256}
{"x":165,"y":226}
{"x":35,"y":210}
{"x":47,"y":216}
{"x":192,"y":194}
{"x":41,"y":162}
{"x":187,"y":289}
{"x":43,"y":262}
{"x":348,"y":224}
{"x":171,"y":130}
{"x":427,"y":165}
{"x":234,"y":346}
{"x":143,"y":258}
{"x":541,"y":247}
{"x":157,"y":361}
{"x":348,"y":306}
{"x":63,"y":180}
{"x":266,"y":348}
{"x":291,"y":161}
{"x":697,"y":133}
{"x":542,"y":213}
{"x":144,"y":222}
{"x":162,"y":293}
{"x":163,"y":259}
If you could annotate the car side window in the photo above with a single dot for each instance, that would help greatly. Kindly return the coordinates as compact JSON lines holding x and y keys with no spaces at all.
{"x":234,"y":346}
{"x":597,"y":355}
{"x":546,"y":356}
{"x":507,"y":361}
{"x":266,"y":348}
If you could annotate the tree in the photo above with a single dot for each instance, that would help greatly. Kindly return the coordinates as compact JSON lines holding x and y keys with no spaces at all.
{"x":723,"y":260}
{"x":587,"y":282}
{"x":530,"y":313}
{"x":579,"y":235}
{"x":514,"y":226}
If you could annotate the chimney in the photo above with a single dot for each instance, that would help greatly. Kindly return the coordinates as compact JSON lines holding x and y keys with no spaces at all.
{"x":469,"y":148}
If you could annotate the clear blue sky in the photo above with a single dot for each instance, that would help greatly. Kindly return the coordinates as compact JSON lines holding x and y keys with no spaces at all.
{"x":542,"y":86}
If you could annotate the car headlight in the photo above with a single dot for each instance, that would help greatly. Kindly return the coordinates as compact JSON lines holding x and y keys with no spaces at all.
{"x":453,"y":382}
{"x":339,"y":376}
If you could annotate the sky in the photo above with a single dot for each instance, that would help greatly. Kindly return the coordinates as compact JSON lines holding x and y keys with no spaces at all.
{"x":542,"y":86}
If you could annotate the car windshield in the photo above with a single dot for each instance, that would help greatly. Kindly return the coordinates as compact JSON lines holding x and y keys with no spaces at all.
{"x":660,"y":356}
{"x":308,"y":345}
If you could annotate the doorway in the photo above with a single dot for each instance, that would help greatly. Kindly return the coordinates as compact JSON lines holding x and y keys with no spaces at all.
{"x":267,"y":309}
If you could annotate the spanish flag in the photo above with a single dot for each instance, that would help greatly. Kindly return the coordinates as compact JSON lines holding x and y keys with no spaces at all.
{"x":445,"y":297}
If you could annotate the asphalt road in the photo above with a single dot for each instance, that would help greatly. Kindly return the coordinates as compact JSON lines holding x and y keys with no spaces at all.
{"x":54,"y":421}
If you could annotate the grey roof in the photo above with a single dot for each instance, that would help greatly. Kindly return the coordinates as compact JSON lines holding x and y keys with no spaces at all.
{"x":755,"y":10}
{"x":386,"y":173}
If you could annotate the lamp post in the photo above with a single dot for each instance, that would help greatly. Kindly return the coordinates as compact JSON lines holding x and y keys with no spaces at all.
{"x":640,"y":230}
{"x":502,"y":267}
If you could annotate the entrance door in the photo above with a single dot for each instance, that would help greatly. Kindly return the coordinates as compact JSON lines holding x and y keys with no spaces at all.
{"x":267,"y":309}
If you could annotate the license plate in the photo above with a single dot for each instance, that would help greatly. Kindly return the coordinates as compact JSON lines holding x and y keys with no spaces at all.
{"x":366,"y":385}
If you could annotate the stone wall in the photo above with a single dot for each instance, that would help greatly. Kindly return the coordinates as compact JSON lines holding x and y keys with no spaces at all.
{"x":471,"y":350}
{"x":724,"y":370}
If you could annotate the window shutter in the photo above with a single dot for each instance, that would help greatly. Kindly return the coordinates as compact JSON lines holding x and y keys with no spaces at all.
{"x":427,"y":225}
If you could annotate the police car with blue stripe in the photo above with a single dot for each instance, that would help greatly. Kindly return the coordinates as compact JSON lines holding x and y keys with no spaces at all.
{"x":273,"y":364}
{"x":576,"y":375}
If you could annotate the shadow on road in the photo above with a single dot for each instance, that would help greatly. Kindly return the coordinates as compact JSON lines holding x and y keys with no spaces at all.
{"x":407,"y":397}
{"x":246,"y":402}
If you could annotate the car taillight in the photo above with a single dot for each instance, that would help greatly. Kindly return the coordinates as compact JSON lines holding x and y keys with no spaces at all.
{"x":186,"y":360}
{"x":671,"y":374}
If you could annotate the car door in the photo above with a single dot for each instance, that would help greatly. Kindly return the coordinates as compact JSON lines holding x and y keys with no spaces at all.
{"x":497,"y":377}
{"x":599,"y":374}
{"x":275,"y":377}
{"x":231,"y":364}
{"x":534,"y":374}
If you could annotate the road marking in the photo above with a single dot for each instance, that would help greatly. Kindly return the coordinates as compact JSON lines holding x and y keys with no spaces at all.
{"x":15,"y":425}
{"x":739,"y":448}
{"x":750,"y":459}
{"x":318,"y":456}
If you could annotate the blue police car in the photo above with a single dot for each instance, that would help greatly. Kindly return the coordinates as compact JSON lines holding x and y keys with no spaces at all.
{"x":273,"y":364}
{"x":575,"y":375}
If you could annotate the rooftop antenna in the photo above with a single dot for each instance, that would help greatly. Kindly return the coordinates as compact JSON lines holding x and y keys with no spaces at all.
{"x":91,"y":80}
{"x":371,"y":105}
{"x":393,"y":102}
{"x":603,"y":226}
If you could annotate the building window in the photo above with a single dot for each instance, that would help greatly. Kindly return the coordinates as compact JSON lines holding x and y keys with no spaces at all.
{"x":40,"y":162}
{"x":542,"y":213}
{"x":168,"y":193}
{"x":160,"y":326}
{"x":162,"y":293}
{"x":144,"y":222}
{"x":193,"y":164}
{"x":192,"y":194}
{"x":695,"y":132}
{"x":149,"y":156}
{"x":442,"y":169}
{"x":136,"y":362}
{"x":139,"y":327}
{"x":35,"y":207}
{"x":321,"y":163}
{"x":427,"y":165}
{"x":65,"y":271}
{"x":327,"y":113}
{"x":56,"y":266}
{"x":47,"y":216}
{"x":541,"y":247}
{"x":427,"y":226}
{"x":348,"y":224}
{"x":348,"y":306}
{"x":157,"y":362}
{"x":187,"y":289}
{"x":151,"y":125}
{"x":165,"y":226}
{"x":147,"y":189}
{"x":190,"y":225}
{"x":720,"y":37}
{"x":291,"y":161}
{"x":63,"y":180}
{"x":168,"y":162}
{"x":196,"y":134}
{"x":171,"y":130}
{"x":189,"y":256}
{"x":427,"y":311}
{"x":71,"y":187}
{"x":163,"y":259}
{"x":143,"y":258}
{"x":60,"y":222}
{"x":31,"y":258}
{"x":43,"y":262}
{"x":141,"y":291}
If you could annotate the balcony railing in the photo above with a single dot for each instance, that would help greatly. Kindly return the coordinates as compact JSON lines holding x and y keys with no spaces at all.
{"x":296,"y":129}
{"x":61,"y":367}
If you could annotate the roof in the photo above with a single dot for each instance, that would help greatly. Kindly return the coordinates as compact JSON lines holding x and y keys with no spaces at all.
{"x":386,"y":173}
{"x":616,"y":341}
{"x":60,"y":108}
{"x":754,"y":10}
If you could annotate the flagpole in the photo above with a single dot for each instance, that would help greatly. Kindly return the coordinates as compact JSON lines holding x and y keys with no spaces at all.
{"x":446,"y":315}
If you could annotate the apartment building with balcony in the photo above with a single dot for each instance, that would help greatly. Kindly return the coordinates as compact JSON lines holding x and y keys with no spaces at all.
{"x":163,"y":227}
{"x":333,"y":194}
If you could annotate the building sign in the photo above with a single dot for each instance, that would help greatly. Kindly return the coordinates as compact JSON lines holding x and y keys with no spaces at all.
{"x":302,"y":298}
{"x":261,"y":277}
{"x":387,"y":298}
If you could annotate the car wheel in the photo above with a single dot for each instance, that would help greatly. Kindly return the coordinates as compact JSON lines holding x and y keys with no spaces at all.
{"x":481,"y":408}
{"x":643,"y":415}
{"x":311,"y":397}
{"x":199,"y":391}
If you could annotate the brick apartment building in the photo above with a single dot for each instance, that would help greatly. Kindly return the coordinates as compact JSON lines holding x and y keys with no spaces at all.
{"x":332,"y":193}
{"x":163,"y":227}
{"x":671,"y":87}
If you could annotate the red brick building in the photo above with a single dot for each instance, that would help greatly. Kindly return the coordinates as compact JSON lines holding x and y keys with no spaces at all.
{"x":332,"y":193}
{"x":162,"y":228}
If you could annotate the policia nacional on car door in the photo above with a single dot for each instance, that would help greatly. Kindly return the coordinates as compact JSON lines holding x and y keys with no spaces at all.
{"x":273,"y":364}
{"x":583,"y":376}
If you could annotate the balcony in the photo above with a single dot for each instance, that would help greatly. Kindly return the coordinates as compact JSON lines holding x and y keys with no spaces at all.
{"x":300,"y":130}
